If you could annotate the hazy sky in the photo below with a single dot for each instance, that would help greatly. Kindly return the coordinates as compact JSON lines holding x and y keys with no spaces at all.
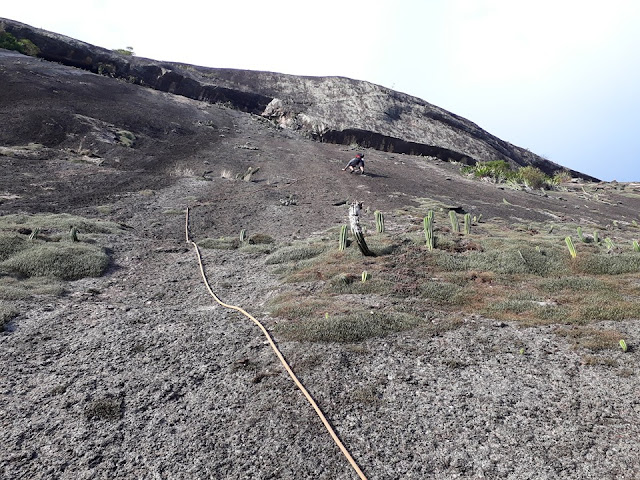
{"x":559,"y":77}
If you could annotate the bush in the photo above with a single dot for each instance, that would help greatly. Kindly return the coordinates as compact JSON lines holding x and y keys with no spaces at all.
{"x":533,"y":177}
{"x":60,"y":260}
{"x":24,"y":46}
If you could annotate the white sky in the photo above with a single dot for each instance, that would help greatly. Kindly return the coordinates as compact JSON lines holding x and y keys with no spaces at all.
{"x":560,"y":77}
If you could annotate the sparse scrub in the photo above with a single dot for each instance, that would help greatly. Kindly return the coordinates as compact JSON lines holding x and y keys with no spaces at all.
{"x":591,"y":338}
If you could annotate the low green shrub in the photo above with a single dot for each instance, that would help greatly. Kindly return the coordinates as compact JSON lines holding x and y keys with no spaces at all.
{"x":11,"y":244}
{"x":602,"y":264}
{"x":353,"y":327}
{"x":294,"y":253}
{"x":60,"y":222}
{"x":14,"y":289}
{"x":261,"y":239}
{"x":7,"y":312}
{"x":441,"y":293}
{"x":67,"y":261}
{"x":572,"y":283}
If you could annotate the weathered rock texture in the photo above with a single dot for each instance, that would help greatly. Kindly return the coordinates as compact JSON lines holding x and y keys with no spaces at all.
{"x":329,"y":109}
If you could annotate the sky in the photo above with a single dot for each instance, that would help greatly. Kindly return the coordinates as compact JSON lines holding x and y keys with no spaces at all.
{"x":559,"y":77}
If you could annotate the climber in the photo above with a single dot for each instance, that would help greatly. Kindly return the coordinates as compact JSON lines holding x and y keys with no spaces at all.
{"x":358,"y":161}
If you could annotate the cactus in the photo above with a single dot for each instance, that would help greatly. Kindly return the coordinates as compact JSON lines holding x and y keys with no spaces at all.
{"x":73,"y":234}
{"x":34,"y":234}
{"x":623,"y":345}
{"x":467,"y":223}
{"x":609,"y":243}
{"x":596,"y":239}
{"x":379,"y":221}
{"x":343,"y":238}
{"x":455,"y":226}
{"x":365,"y":276}
{"x":580,"y":235}
{"x":571,"y":247}
{"x":428,"y":229}
{"x":636,"y":246}
{"x":243,"y":236}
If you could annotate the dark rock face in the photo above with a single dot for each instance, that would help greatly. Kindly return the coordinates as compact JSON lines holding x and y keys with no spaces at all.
{"x":328,"y":109}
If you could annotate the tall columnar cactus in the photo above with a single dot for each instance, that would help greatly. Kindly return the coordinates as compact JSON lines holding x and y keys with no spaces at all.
{"x":580,"y":235}
{"x":636,"y":246}
{"x":467,"y":223}
{"x":455,"y":226}
{"x":243,"y":236}
{"x":571,"y":247}
{"x":365,"y":276}
{"x":343,"y":238}
{"x":73,"y":234}
{"x":379,"y":221}
{"x":428,"y":229}
{"x":595,"y":237}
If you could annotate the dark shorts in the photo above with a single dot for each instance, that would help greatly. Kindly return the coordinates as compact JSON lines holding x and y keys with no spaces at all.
{"x":355,"y":162}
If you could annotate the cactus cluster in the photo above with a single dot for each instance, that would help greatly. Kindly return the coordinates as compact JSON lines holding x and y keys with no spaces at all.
{"x":379,"y":221}
{"x":428,"y":229}
{"x":365,"y":276}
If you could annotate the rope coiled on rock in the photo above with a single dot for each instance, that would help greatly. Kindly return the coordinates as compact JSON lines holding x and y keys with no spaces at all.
{"x":284,"y":363}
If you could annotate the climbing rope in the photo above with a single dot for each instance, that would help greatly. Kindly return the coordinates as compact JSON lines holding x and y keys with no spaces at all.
{"x":284,"y":363}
